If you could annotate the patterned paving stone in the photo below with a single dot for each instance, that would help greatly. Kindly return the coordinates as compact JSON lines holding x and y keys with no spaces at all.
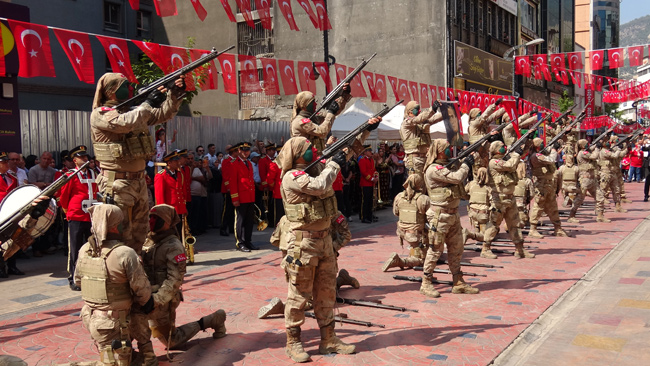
{"x":605,"y":343}
{"x":631,"y":281}
{"x":63,"y":282}
{"x":605,"y":319}
{"x":437,"y":357}
{"x":643,"y":273}
{"x":30,"y":298}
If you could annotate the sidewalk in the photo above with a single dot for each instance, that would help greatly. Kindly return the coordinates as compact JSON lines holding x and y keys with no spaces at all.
{"x":450,"y":330}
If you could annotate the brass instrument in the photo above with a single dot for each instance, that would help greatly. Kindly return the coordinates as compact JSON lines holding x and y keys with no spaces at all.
{"x":188,"y":241}
{"x":261,"y":224}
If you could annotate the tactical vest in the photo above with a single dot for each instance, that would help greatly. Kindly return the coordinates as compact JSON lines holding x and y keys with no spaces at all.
{"x":308,"y":212}
{"x":570,"y":174}
{"x":478,"y":194}
{"x":520,"y":188}
{"x":544,"y":171}
{"x":156,"y":275}
{"x":474,"y":138}
{"x":504,"y":179}
{"x":445,"y":194}
{"x":421,"y":139}
{"x":408,"y":211}
{"x":587,"y":167}
{"x":95,"y":283}
{"x":133,"y":146}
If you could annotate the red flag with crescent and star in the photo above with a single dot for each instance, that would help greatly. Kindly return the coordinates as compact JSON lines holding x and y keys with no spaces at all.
{"x":403,"y":90}
{"x":175,"y":58}
{"x":152,"y":50}
{"x":33,"y":46}
{"x":229,"y":72}
{"x":312,"y":16}
{"x":356,"y":86}
{"x":228,"y":9}
{"x":616,"y":58}
{"x":77,"y":47}
{"x":415,"y":92}
{"x":370,"y":81}
{"x":270,"y":67}
{"x":393,"y":84}
{"x":165,"y":8}
{"x":635,"y":55}
{"x":321,"y":12}
{"x":305,"y":77}
{"x":248,"y":80}
{"x":575,"y":60}
{"x":287,"y":12}
{"x":118,"y":55}
{"x":381,"y":88}
{"x":207,"y":74}
{"x":425,"y":100}
{"x":324,"y":71}
{"x":199,"y":9}
{"x":245,"y":8}
{"x":264,"y":11}
{"x":596,"y":58}
{"x":288,"y":77}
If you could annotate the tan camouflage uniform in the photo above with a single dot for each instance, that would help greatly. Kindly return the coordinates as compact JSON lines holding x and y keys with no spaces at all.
{"x":479,"y":126}
{"x":525,"y":121}
{"x":567,"y":177}
{"x":543,"y":169}
{"x":414,"y":132}
{"x":608,"y":162}
{"x":318,"y":127}
{"x":524,"y":193}
{"x":589,"y":185}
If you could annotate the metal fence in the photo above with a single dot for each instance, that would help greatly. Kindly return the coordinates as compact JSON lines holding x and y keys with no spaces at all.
{"x":62,"y":130}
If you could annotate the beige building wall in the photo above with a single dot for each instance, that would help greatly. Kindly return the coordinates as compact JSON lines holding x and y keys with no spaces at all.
{"x":583,"y":28}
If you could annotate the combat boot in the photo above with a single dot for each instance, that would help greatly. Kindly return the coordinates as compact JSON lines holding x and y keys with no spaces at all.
{"x":274,"y":307}
{"x":330,"y":343}
{"x":294,"y":347}
{"x":625,"y":200}
{"x":215,"y":321}
{"x":461,"y":287}
{"x":344,"y":278}
{"x":558,"y":231}
{"x":600,"y":217}
{"x":533,"y":233}
{"x":148,"y":355}
{"x":486,"y":252}
{"x":392,"y":262}
{"x":620,"y":208}
{"x":520,"y":252}
{"x":572,"y":216}
{"x":427,"y":288}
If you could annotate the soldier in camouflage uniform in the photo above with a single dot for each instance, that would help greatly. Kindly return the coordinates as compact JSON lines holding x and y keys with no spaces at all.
{"x":480,"y":200}
{"x":445,"y":191}
{"x":410,"y":206}
{"x":414,"y":132}
{"x":524,"y":193}
{"x":123,"y":144}
{"x":525,"y":120}
{"x":567,"y":179}
{"x":587,"y":159}
{"x":479,"y":126}
{"x":608,"y":162}
{"x":622,"y":150}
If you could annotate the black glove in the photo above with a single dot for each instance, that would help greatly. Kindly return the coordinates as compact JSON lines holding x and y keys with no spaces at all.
{"x":556,"y":145}
{"x":519,"y":150}
{"x":333,"y":107}
{"x":39,"y":209}
{"x":347,"y":89}
{"x":533,"y":111}
{"x":180,"y":88}
{"x":149,"y":306}
{"x":340,"y":158}
{"x":373,"y":127}
{"x":498,"y":101}
{"x":435,"y":106}
{"x":599,"y":145}
{"x":156,"y":98}
{"x":531,"y":136}
{"x":469,"y":161}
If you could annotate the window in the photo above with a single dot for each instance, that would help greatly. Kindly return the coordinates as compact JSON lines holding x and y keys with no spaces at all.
{"x":465,"y":13}
{"x":112,"y":21}
{"x":472,"y":15}
{"x":499,"y":30}
{"x":459,"y":10}
{"x":489,"y":20}
{"x":143,"y":24}
{"x":529,"y":16}
{"x":480,"y":16}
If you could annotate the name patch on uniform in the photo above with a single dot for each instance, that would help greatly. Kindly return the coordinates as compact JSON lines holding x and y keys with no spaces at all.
{"x":305,"y":120}
{"x":298,"y":173}
{"x":106,"y":109}
{"x":180,"y":258}
{"x":323,"y":161}
{"x":340,"y":219}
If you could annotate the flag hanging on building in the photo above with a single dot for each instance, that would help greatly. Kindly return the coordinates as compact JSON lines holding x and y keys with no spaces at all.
{"x":229,"y":72}
{"x":288,"y":77}
{"x":165,"y":8}
{"x":271,"y":86}
{"x":77,"y":47}
{"x":33,"y":47}
{"x":118,"y":56}
{"x":249,"y":82}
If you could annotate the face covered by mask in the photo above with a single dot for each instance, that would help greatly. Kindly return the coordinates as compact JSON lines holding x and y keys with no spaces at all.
{"x":416,"y":110}
{"x":310,"y":154}
{"x":502,"y":150}
{"x":448,"y":152}
{"x":311,"y":108}
{"x":155,"y":223}
{"x":123,"y":92}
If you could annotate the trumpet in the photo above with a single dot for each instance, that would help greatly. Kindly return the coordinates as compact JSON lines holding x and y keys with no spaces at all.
{"x":188,"y":241}
{"x":379,"y":201}
{"x":261,"y":224}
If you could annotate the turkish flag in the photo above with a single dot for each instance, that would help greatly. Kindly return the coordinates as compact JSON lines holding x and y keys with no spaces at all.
{"x":558,"y":77}
{"x":324,"y":71}
{"x":441,"y":93}
{"x":463,"y":99}
{"x":288,"y":77}
{"x":393,"y":84}
{"x":451,"y":94}
{"x":228,"y":71}
{"x":305,"y":5}
{"x":33,"y":46}
{"x":76,"y":46}
{"x":199,"y":9}
{"x":341,"y":72}
{"x":415,"y":93}
{"x":356,"y":85}
{"x":575,"y":60}
{"x":118,"y":55}
{"x":522,"y":65}
{"x":206,"y":75}
{"x":174,"y":58}
{"x":598,"y":81}
{"x":152,"y":50}
{"x":616,"y":58}
{"x":635,"y":55}
{"x":245,"y":8}
{"x":135,"y":4}
{"x":557,"y":61}
{"x":403,"y":90}
{"x":285,"y":8}
{"x":249,"y":82}
{"x":226,"y":7}
{"x":576,"y":80}
{"x":472,"y":100}
{"x":323,"y":19}
{"x":597,"y":59}
{"x":270,"y":67}
{"x":541,"y":67}
{"x":264,"y":11}
{"x":370,"y":81}
{"x":165,"y":8}
{"x":380,"y":88}
{"x":425,"y":100}
{"x":305,"y":71}
{"x":565,"y":77}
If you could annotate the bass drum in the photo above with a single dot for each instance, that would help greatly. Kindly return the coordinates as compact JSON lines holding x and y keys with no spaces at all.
{"x":19,"y":198}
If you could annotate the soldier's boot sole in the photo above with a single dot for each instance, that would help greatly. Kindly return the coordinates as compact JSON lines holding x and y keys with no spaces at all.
{"x":392,"y":262}
{"x":275,"y":306}
{"x":344,"y":278}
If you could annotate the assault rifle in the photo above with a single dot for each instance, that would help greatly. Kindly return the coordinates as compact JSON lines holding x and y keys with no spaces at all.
{"x":419,"y":279}
{"x":343,"y":318}
{"x":630,"y":137}
{"x":565,"y":130}
{"x":336,"y":92}
{"x":468,"y":264}
{"x":437,"y":270}
{"x":348,"y":139}
{"x":604,"y":134}
{"x":522,"y":140}
{"x":475,"y":146}
{"x":372,"y":304}
{"x":10,"y":224}
{"x":168,"y":80}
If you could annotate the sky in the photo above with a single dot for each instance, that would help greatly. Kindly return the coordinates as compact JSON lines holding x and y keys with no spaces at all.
{"x":632,"y":9}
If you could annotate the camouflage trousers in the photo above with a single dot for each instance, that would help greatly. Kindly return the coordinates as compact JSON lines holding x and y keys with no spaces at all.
{"x":621,"y":183}
{"x":313,"y":277}
{"x":448,"y":231}
{"x":104,"y":328}
{"x":417,"y":253}
{"x":506,"y":208}
{"x":131,"y":196}
{"x":544,"y":202}
{"x":609,"y":182}
{"x":575,"y":193}
{"x":522,"y":209}
{"x":589,"y":187}
{"x":478,"y":218}
{"x":415,"y":163}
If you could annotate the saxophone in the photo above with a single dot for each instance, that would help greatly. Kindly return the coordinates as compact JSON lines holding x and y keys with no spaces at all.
{"x":188,"y":241}
{"x":261,"y":224}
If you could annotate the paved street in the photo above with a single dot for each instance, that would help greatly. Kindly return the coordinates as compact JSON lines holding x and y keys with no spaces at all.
{"x":581,"y":301}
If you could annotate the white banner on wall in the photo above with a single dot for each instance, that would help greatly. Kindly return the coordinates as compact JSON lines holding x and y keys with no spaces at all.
{"x":509,"y":5}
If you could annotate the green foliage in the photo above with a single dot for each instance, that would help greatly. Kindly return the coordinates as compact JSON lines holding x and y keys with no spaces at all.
{"x":611,"y":109}
{"x":565,"y":102}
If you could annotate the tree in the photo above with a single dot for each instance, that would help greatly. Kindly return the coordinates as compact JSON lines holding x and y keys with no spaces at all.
{"x":565,"y":102}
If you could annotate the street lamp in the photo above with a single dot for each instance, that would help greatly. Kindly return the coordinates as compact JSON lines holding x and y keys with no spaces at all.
{"x":511,"y":50}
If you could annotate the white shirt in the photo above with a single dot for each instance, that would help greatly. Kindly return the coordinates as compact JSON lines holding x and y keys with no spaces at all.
{"x":21,"y":175}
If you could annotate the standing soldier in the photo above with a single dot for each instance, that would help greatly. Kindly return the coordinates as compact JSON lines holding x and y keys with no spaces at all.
{"x":479,"y":126}
{"x":367,"y":181}
{"x":123,"y":144}
{"x":310,"y":262}
{"x":242,"y":193}
{"x":608,"y":167}
{"x":411,"y":206}
{"x":503,"y":180}
{"x":185,"y":171}
{"x":543,"y":169}
{"x":77,"y":196}
{"x":168,"y":184}
{"x":524,"y":193}
{"x":588,"y":166}
{"x":567,"y":178}
{"x":525,"y":120}
{"x":444,"y":187}
{"x":622,"y":150}
{"x":228,"y":214}
{"x":164,"y":261}
{"x":414,"y":132}
{"x":112,"y":279}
